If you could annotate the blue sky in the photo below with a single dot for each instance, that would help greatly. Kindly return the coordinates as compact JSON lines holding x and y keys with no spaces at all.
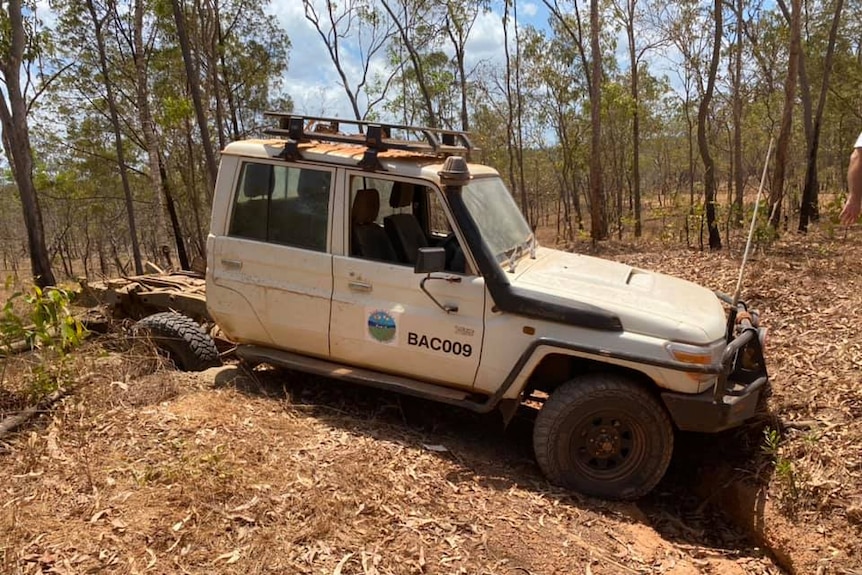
{"x":313,"y":82}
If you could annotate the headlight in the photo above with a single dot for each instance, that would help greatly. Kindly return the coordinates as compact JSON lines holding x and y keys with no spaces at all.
{"x":696,"y":354}
{"x":699,"y":355}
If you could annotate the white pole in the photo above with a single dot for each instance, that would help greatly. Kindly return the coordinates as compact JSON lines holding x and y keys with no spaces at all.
{"x":751,"y":229}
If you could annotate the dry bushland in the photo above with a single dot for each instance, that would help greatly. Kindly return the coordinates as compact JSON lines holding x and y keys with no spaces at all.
{"x":145,"y":469}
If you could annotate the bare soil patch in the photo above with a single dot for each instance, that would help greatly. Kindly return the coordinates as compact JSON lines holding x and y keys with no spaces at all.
{"x":145,"y":469}
{"x":802,"y":499}
{"x":233,"y":472}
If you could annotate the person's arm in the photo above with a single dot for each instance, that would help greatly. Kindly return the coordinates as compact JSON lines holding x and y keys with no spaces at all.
{"x":853,"y":207}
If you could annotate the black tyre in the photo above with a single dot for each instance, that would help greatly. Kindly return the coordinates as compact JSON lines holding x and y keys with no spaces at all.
{"x":182,"y":339}
{"x":604,"y":435}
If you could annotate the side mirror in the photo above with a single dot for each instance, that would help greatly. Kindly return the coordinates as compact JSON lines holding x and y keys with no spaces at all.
{"x":430,"y":260}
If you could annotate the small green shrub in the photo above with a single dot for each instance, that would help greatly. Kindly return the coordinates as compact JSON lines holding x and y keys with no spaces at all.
{"x":47,"y":321}
{"x":43,"y":321}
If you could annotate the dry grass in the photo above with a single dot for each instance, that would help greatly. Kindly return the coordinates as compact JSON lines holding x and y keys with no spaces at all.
{"x":810,"y":293}
{"x":236,"y":473}
{"x":145,"y":469}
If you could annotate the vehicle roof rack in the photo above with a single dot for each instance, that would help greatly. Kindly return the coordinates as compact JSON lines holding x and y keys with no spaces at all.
{"x":375,"y":136}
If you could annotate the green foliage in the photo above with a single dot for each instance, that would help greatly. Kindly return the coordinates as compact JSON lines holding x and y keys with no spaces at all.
{"x":43,"y":320}
{"x":47,"y":323}
{"x":764,"y":234}
{"x":785,"y":472}
{"x":771,"y":442}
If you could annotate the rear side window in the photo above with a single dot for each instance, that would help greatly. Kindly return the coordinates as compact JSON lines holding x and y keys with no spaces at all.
{"x":282,"y":205}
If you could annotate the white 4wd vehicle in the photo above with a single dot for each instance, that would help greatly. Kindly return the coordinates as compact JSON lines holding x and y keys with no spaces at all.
{"x":398,"y":264}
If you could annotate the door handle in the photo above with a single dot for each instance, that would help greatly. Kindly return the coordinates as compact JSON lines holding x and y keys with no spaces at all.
{"x":232,"y":264}
{"x":359,"y":286}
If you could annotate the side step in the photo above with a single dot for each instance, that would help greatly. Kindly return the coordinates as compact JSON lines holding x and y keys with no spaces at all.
{"x":405,"y":385}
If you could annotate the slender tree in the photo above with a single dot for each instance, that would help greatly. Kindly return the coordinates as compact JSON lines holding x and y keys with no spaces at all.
{"x":776,"y":195}
{"x":598,"y":221}
{"x":16,"y":48}
{"x":98,"y":21}
{"x":160,"y":187}
{"x":406,"y":33}
{"x":737,"y":155}
{"x":809,"y":210}
{"x":353,"y":27}
{"x":702,"y":143}
{"x":193,"y":79}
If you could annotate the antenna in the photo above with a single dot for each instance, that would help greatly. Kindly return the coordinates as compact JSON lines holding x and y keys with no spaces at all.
{"x":751,"y":230}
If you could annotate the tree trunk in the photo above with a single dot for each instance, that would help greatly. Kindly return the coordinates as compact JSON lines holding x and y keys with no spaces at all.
{"x":598,"y":222}
{"x":804,"y":83}
{"x":510,"y":115}
{"x":182,"y":255}
{"x":16,"y":143}
{"x":416,"y":61}
{"x":213,"y":64}
{"x":459,"y":43}
{"x":809,"y":209}
{"x":702,"y":144}
{"x":118,"y":138}
{"x":519,"y":116}
{"x":193,"y":84}
{"x":777,"y":193}
{"x":636,"y":119}
{"x":736,"y":154}
{"x":148,"y":125}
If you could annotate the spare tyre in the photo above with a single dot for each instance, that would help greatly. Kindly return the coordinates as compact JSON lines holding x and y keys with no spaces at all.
{"x":181,"y":338}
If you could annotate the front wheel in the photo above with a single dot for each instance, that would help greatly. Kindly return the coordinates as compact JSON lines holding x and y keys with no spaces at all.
{"x":604,"y":435}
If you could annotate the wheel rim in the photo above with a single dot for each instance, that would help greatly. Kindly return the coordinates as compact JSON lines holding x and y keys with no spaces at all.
{"x":607,"y":445}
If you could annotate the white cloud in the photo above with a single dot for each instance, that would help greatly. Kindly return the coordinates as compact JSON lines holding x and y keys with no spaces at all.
{"x":486,"y":40}
{"x":529,"y":10}
{"x":311,"y":79}
{"x":313,"y":82}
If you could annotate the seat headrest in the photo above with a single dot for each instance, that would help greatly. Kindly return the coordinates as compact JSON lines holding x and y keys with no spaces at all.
{"x":257,"y":180}
{"x":313,"y":184}
{"x":401,"y":195}
{"x":366,"y":206}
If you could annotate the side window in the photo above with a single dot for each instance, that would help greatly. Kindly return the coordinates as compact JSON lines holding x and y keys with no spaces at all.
{"x":282,"y":205}
{"x":438,"y":224}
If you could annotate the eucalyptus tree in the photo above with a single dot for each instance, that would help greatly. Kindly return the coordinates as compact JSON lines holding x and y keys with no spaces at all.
{"x":237,"y":56}
{"x":561,"y":79}
{"x":192,"y":68}
{"x":709,"y":186}
{"x":514,"y":144}
{"x":642,"y":37}
{"x":809,"y":210}
{"x":685,"y":22}
{"x":21,"y":44}
{"x":354,"y":29}
{"x":574,"y":27}
{"x":415,"y":26}
{"x":598,"y":219}
{"x":776,"y":195}
{"x":142,"y":52}
{"x":98,"y":17}
{"x":461,"y":16}
{"x":242,"y":54}
{"x":737,"y":186}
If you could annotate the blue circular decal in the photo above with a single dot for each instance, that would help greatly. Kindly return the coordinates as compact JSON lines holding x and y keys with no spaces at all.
{"x":381,"y":326}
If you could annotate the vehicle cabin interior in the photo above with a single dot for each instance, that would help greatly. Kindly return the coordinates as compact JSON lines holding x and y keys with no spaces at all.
{"x":391,"y":220}
{"x":282,"y":205}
